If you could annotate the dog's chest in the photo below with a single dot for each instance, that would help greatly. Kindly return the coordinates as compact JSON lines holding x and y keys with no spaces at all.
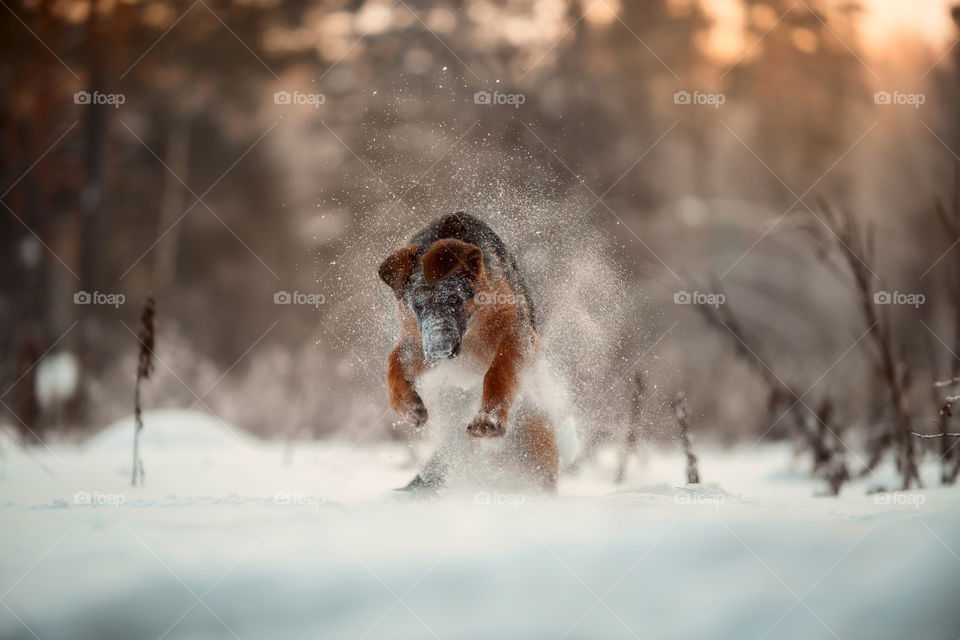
{"x":464,"y":373}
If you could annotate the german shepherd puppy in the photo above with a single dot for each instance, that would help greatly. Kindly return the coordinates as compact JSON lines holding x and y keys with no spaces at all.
{"x":460,"y":297}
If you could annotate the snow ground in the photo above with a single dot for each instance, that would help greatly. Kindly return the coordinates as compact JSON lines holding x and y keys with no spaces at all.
{"x":235,"y":538}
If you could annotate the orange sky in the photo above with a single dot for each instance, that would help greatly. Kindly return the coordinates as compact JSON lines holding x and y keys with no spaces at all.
{"x":927,"y":20}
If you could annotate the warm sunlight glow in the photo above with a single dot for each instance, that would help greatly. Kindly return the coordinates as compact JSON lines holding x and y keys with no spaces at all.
{"x":926,"y":19}
{"x":882,"y":22}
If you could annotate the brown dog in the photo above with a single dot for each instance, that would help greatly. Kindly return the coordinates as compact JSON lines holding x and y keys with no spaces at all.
{"x":460,"y":297}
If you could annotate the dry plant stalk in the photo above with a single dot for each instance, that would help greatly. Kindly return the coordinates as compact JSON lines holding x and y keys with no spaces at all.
{"x":946,"y":412}
{"x":949,"y":460}
{"x":722,"y":318}
{"x":828,"y":454}
{"x":146,"y":335}
{"x":633,"y":433}
{"x":681,"y":412}
{"x":856,"y":247}
{"x":813,"y":428}
{"x":949,"y":454}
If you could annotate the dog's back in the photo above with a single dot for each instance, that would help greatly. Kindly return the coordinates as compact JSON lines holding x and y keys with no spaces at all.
{"x":466,"y":228}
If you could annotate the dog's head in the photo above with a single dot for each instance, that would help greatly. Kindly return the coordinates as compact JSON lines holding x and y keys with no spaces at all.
{"x":437,"y":288}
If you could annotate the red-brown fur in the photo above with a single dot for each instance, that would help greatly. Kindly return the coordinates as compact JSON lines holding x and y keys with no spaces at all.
{"x":499,"y":335}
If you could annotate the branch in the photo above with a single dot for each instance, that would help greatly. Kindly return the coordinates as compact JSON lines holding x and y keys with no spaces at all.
{"x":945,"y":411}
{"x":936,"y":435}
{"x":946,"y":383}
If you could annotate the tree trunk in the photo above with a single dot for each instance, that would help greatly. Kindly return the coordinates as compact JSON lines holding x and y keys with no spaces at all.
{"x":172,"y":203}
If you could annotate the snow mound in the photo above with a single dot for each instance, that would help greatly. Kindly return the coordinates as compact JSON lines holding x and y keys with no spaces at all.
{"x":171,"y":429}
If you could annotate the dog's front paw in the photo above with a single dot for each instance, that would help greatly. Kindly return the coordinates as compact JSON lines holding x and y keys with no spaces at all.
{"x":486,"y":427}
{"x":412,"y":410}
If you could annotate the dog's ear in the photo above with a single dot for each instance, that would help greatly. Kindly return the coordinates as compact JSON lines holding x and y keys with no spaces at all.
{"x":397,"y":268}
{"x":447,"y":256}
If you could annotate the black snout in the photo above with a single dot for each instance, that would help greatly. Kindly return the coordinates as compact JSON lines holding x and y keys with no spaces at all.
{"x":441,"y":316}
{"x":439,"y":351}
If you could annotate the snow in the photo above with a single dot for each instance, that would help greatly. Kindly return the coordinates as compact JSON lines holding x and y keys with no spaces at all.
{"x":172,"y":429}
{"x":57,"y":378}
{"x":232,"y":537}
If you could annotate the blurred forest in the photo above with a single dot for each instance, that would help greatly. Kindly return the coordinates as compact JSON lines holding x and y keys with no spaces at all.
{"x":187,"y":175}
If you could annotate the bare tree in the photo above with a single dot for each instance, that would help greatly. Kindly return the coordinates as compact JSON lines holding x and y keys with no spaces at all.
{"x":26,"y":408}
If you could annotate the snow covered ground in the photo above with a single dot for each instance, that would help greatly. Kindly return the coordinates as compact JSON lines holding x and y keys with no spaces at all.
{"x":234,"y":538}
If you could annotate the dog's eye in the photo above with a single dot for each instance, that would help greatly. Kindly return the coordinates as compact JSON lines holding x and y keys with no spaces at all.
{"x":451,"y":300}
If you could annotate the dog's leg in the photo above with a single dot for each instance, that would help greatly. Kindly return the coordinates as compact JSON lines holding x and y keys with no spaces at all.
{"x":404,"y":365}
{"x":432,"y":477}
{"x":540,"y":449}
{"x":500,"y":385}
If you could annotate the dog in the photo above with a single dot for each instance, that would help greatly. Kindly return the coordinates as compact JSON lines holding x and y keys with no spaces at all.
{"x":462,"y":301}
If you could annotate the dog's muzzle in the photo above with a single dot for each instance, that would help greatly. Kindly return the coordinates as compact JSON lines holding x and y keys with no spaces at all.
{"x":441,"y":341}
